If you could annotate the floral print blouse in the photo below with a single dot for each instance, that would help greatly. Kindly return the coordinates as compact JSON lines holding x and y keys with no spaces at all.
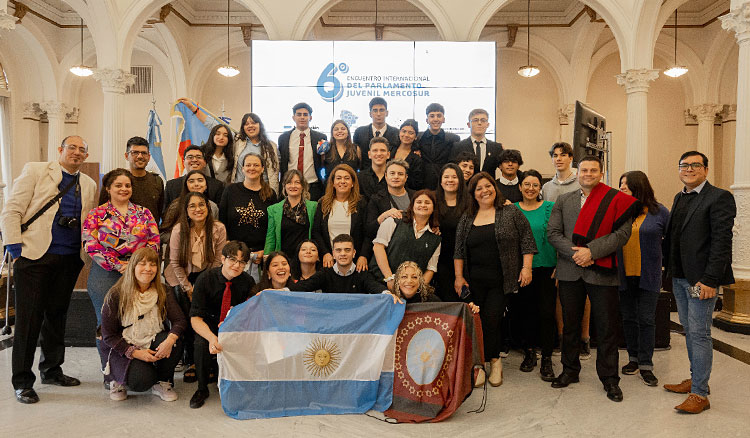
{"x":110,"y":238}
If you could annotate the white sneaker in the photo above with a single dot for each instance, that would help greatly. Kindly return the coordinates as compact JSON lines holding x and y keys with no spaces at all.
{"x":480,"y":378}
{"x":117,"y":392}
{"x":164,"y":391}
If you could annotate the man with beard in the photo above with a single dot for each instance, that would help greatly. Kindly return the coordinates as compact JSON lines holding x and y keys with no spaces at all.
{"x":148,"y":187}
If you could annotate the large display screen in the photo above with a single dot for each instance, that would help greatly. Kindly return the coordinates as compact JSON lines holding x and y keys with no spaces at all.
{"x":339,"y":78}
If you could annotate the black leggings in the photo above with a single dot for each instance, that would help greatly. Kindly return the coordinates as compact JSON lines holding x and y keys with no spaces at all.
{"x":489,"y":296}
{"x":143,"y":375}
{"x":534,"y":306}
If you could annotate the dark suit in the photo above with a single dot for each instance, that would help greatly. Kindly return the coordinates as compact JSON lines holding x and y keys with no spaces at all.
{"x":316,"y":189}
{"x":576,"y":283}
{"x":435,"y":151}
{"x":492,"y":151}
{"x":705,"y":238}
{"x":174,"y":187}
{"x":377,"y":205}
{"x":362,"y":245}
{"x":363,"y":135}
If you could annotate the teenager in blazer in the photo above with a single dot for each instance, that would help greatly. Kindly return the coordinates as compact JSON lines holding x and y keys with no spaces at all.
{"x":288,"y":157}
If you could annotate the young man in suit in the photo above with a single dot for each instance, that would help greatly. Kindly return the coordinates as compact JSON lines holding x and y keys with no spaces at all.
{"x":48,"y":258}
{"x":298,"y":149}
{"x":486,"y":151}
{"x":434,"y":145}
{"x":378,"y":128}
{"x":372,"y":178}
{"x":194,"y":160}
{"x":392,"y":202}
{"x":698,"y":255}
{"x":587,"y":227}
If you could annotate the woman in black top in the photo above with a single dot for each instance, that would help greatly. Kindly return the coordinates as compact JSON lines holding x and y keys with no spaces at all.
{"x":452,"y":202}
{"x":493,"y":273}
{"x":342,"y":150}
{"x":244,"y":208}
{"x":408,"y":135}
{"x":308,"y":261}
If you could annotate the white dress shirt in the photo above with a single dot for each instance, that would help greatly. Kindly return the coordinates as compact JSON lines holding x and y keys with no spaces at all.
{"x":388,"y":227}
{"x":309,"y":165}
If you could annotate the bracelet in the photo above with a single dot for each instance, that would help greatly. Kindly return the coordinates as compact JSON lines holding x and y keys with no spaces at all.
{"x":387,"y":279}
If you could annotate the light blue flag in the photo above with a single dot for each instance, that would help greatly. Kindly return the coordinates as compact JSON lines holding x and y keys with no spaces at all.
{"x":299,"y":353}
{"x":154,"y":145}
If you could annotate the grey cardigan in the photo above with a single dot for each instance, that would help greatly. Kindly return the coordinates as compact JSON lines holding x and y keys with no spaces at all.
{"x":514,"y":239}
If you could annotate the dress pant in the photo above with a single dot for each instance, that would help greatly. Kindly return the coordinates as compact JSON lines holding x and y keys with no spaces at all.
{"x":489,"y":296}
{"x":204,"y":360}
{"x":535,"y":305}
{"x":638,"y":308}
{"x":43,"y":290}
{"x":316,"y":190}
{"x":143,"y":375}
{"x":604,"y":308}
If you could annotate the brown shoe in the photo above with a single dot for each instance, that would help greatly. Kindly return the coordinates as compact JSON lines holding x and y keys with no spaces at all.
{"x":694,"y":404}
{"x":683,"y":387}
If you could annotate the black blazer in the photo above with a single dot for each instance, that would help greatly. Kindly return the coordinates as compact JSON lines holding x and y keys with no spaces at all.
{"x":491,"y":161}
{"x":705,"y":238}
{"x":315,"y":137}
{"x":172,"y":190}
{"x":377,"y":204}
{"x":363,"y":135}
{"x":356,"y":230}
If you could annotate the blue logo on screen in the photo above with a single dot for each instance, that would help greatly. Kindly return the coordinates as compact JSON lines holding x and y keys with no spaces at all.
{"x":329,"y":86}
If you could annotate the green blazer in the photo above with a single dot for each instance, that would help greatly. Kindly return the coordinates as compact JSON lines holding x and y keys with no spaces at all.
{"x":273,"y":235}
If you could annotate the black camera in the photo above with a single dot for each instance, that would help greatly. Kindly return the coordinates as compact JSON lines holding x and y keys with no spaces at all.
{"x":69,"y":222}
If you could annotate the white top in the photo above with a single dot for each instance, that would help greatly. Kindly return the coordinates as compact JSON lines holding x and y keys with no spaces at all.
{"x":339,"y":221}
{"x":308,"y":164}
{"x":382,"y":130}
{"x":508,"y":182}
{"x":385,"y":232}
{"x":220,"y":167}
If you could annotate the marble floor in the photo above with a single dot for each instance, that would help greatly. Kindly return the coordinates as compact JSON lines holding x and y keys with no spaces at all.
{"x":523,"y":406}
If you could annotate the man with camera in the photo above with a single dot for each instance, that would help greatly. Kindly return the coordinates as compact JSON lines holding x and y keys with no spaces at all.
{"x":41,"y":226}
{"x":698,"y":255}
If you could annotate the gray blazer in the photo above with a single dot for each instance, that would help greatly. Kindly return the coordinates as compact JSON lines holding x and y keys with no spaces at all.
{"x":514,"y":239}
{"x":562,"y":221}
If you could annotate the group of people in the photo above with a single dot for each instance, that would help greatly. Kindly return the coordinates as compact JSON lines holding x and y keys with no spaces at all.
{"x":421,"y":215}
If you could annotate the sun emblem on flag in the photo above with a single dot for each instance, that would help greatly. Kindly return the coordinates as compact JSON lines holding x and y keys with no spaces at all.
{"x":322,"y":357}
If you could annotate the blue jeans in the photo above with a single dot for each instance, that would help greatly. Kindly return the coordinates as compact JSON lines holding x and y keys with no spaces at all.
{"x":695,"y":317}
{"x":99,"y":282}
{"x":638,"y":308}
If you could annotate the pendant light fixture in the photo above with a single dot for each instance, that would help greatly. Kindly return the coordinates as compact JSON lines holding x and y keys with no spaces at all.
{"x":676,"y":70}
{"x":228,"y":69}
{"x":81,"y":69}
{"x":528,"y":70}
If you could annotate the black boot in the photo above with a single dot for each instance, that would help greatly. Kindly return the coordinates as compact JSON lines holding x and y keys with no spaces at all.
{"x":529,"y":360}
{"x":546,"y":371}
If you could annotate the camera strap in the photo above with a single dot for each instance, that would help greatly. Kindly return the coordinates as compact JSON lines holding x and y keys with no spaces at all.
{"x":51,"y":202}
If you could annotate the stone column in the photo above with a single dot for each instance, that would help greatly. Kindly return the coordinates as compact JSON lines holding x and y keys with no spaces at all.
{"x":565,"y":116}
{"x":114,"y":81}
{"x":636,"y":82}
{"x":735,"y":315}
{"x":56,"y":126}
{"x":7,"y":21}
{"x":706,"y":116}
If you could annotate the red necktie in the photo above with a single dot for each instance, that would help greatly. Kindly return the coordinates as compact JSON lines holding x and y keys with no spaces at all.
{"x":301,"y":157}
{"x":226,"y":301}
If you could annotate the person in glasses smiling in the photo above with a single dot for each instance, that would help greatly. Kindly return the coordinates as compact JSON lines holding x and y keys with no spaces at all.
{"x":194,"y":160}
{"x":215,"y":291}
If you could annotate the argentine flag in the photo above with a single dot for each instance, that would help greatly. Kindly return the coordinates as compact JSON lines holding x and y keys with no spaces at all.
{"x":300,"y":353}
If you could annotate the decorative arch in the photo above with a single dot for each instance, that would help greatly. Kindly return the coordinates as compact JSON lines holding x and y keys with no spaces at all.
{"x":694,"y":82}
{"x":716,"y":61}
{"x":40,"y":51}
{"x":205,"y":61}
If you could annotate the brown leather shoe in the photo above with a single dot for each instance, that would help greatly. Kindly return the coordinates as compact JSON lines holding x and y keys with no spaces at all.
{"x":694,"y":404}
{"x":683,"y":387}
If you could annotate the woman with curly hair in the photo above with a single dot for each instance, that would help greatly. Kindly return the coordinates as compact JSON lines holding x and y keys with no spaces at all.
{"x":411,"y":286}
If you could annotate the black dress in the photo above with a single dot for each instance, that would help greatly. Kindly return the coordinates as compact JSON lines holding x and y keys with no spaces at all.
{"x":446,"y":275}
{"x":486,"y":284}
{"x":245,"y":215}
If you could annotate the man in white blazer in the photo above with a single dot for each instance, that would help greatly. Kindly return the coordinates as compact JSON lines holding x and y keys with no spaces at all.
{"x":48,"y":258}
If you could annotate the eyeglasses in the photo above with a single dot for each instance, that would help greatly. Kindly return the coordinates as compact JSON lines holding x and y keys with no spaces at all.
{"x":528,"y":185}
{"x":193,"y":157}
{"x":695,"y":166}
{"x":193,"y":207}
{"x":74,"y":148}
{"x":235,"y":261}
{"x":138,"y":153}
{"x":479,"y":120}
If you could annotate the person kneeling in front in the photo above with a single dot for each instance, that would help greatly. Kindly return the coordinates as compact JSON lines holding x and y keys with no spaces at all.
{"x":137,"y":348}
{"x":215,"y":291}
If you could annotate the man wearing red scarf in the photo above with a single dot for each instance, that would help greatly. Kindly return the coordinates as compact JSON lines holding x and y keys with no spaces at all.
{"x":587,"y":227}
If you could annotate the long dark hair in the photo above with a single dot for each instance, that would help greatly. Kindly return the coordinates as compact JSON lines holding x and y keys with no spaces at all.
{"x":267,"y":150}
{"x":209,"y":147}
{"x":352,"y":150}
{"x":107,"y":181}
{"x":265,"y":281}
{"x":185,"y":228}
{"x":462,"y":197}
{"x":433,"y":221}
{"x":641,"y":188}
{"x":297,"y":266}
{"x":474,"y":182}
{"x":172,"y":212}
{"x":531,"y":173}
